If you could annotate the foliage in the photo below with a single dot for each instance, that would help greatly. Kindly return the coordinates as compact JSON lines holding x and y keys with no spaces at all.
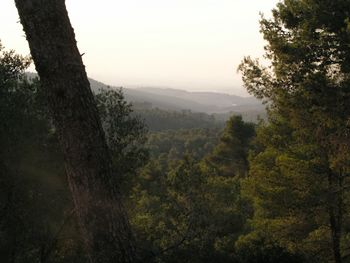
{"x":255,"y":249}
{"x":32,"y":175}
{"x":125,"y":133}
{"x":301,"y":164}
{"x":272,"y":192}
{"x":230,"y":156}
{"x":186,"y":211}
{"x":177,"y":143}
{"x":288,"y":185}
{"x":37,"y":223}
{"x":183,"y":214}
{"x":162,"y":120}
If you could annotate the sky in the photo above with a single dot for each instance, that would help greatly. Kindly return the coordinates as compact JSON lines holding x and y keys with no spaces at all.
{"x":194,"y":45}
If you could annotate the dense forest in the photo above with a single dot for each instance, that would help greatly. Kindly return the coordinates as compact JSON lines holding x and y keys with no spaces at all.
{"x":194,"y":189}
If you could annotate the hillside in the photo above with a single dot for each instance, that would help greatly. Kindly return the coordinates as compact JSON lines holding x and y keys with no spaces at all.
{"x":219,"y":104}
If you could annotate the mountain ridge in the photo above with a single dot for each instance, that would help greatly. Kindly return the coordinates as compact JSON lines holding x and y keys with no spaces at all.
{"x":177,"y":99}
{"x":171,"y":99}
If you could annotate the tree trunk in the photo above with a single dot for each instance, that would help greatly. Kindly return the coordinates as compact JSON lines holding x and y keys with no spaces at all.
{"x":101,"y":215}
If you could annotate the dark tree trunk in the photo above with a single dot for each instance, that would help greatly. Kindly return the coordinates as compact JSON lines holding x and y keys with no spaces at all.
{"x":102,"y":217}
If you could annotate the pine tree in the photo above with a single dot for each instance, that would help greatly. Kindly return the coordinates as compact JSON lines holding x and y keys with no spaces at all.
{"x":308,"y":85}
{"x":97,"y":199}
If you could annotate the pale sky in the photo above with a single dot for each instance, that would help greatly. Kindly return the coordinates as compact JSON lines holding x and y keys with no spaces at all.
{"x":188,"y":44}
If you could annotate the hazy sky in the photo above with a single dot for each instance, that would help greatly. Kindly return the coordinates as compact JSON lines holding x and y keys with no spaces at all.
{"x":188,"y":44}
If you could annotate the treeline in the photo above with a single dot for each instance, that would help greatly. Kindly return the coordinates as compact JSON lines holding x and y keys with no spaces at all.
{"x":193,"y":195}
{"x":160,"y":120}
{"x":164,"y":179}
{"x":276,"y":191}
{"x":177,"y":143}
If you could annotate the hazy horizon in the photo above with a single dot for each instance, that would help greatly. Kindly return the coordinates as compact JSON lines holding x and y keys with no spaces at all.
{"x":185,"y":44}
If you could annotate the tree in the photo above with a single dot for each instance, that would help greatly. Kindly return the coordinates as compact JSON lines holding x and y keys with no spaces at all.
{"x":34,"y":201}
{"x":37,"y":222}
{"x":307,"y":85}
{"x":101,"y":214}
{"x":125,"y":134}
{"x":184,"y":215}
{"x":288,"y":187}
{"x":185,"y":209}
{"x":230,"y":156}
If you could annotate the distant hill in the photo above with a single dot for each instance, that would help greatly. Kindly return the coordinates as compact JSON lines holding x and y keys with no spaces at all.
{"x":214,"y":99}
{"x":175,"y":99}
{"x":220,"y":105}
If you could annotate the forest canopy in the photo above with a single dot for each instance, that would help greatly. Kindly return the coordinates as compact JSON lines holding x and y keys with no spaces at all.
{"x":188,"y":187}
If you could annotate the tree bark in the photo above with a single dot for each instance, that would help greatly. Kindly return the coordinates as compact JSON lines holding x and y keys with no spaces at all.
{"x":101,"y":215}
